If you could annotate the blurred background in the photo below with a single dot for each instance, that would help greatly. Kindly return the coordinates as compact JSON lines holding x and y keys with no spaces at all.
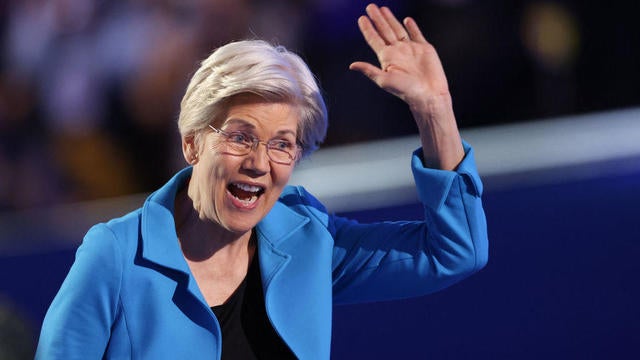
{"x":546,"y":91}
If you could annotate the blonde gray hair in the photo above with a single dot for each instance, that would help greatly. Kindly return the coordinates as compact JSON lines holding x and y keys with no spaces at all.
{"x":254,"y":67}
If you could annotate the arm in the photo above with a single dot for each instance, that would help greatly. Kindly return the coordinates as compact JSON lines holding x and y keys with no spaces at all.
{"x":78,"y":322}
{"x":392,"y":260}
{"x":411,"y":70}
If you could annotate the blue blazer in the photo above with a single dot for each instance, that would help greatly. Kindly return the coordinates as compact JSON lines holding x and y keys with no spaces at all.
{"x":130,"y":293}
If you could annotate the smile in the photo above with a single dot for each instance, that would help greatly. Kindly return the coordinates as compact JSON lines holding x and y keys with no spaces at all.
{"x":247,"y":194}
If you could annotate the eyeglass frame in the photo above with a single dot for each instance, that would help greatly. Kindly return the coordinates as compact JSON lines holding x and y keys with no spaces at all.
{"x":255,"y":141}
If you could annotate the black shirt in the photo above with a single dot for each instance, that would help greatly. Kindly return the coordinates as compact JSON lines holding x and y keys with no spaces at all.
{"x":247,"y":332}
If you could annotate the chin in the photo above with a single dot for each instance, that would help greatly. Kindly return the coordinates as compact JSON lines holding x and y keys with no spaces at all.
{"x":240,"y":226}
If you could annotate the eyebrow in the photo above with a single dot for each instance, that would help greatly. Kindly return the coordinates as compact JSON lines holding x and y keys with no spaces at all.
{"x":245,"y":124}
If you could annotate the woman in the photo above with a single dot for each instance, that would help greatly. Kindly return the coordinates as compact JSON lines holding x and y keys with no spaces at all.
{"x":227,"y":261}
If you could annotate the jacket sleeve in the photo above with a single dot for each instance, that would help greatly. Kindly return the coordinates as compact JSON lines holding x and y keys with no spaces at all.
{"x":78,"y":322}
{"x":392,"y":260}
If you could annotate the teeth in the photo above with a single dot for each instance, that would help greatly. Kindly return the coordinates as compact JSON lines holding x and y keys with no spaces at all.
{"x":248,"y":188}
{"x":249,"y":201}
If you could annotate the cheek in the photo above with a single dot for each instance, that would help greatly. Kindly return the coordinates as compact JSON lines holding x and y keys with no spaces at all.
{"x":281,"y":176}
{"x":218,"y":165}
{"x":218,"y":174}
{"x":210,"y":190}
{"x":210,"y":173}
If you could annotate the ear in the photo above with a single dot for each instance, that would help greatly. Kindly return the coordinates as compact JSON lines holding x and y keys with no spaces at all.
{"x":189,"y":149}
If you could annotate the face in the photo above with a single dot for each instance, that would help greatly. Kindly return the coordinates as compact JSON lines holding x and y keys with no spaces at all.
{"x":237,"y":191}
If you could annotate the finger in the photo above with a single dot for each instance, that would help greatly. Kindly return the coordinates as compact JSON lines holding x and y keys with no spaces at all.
{"x":370,"y":34}
{"x":382,"y":26}
{"x":370,"y":71}
{"x":414,"y":30}
{"x":399,"y":31}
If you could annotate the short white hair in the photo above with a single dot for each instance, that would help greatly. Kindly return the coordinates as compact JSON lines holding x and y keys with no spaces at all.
{"x":259,"y":68}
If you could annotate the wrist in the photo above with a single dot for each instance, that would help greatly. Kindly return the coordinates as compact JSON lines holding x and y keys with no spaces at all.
{"x":439,"y":135}
{"x":434,"y":113}
{"x":431,"y":107}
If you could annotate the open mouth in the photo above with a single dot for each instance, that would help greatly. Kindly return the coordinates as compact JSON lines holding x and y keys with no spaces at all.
{"x":248,"y":194}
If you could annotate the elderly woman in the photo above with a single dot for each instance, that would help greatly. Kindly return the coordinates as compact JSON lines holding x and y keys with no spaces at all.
{"x":227,"y":261}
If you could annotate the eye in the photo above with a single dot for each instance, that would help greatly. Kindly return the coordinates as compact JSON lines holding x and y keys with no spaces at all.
{"x":283,"y":145}
{"x":238,"y":137}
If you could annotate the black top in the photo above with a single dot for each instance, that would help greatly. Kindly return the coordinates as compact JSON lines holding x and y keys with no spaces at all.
{"x":247,"y":332}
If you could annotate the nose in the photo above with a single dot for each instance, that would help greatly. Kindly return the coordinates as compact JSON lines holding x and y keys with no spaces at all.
{"x":257,"y":159}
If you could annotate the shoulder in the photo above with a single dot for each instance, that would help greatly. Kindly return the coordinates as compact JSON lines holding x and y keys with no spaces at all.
{"x":123,"y":223}
{"x":298,"y":195}
{"x":296,"y":201}
{"x":117,"y":236}
{"x":299,"y":199}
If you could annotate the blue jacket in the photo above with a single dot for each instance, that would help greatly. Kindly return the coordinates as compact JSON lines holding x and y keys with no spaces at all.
{"x":131,"y":295}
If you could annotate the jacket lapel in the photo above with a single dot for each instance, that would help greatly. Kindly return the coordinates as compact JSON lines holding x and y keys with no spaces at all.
{"x":279,"y":224}
{"x":159,"y":239}
{"x":274,"y":232}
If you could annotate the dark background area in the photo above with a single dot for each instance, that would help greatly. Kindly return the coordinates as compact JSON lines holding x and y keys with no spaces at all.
{"x":89,"y":89}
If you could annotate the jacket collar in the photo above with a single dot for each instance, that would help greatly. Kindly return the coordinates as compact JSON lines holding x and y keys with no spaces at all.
{"x":159,"y":239}
{"x":273,"y":231}
{"x":279,"y":224}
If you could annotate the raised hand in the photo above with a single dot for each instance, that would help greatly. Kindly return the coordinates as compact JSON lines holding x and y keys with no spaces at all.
{"x":411,"y":70}
{"x":409,"y":65}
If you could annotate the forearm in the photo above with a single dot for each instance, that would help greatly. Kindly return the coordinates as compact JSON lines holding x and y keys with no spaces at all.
{"x":439,"y":135}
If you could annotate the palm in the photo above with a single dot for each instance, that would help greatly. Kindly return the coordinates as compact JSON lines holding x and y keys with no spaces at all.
{"x":409,"y":65}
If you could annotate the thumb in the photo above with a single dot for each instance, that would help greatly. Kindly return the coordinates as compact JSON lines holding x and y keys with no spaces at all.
{"x":370,"y":71}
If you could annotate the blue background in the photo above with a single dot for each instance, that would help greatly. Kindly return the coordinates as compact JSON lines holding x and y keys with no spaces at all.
{"x":561,"y":282}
